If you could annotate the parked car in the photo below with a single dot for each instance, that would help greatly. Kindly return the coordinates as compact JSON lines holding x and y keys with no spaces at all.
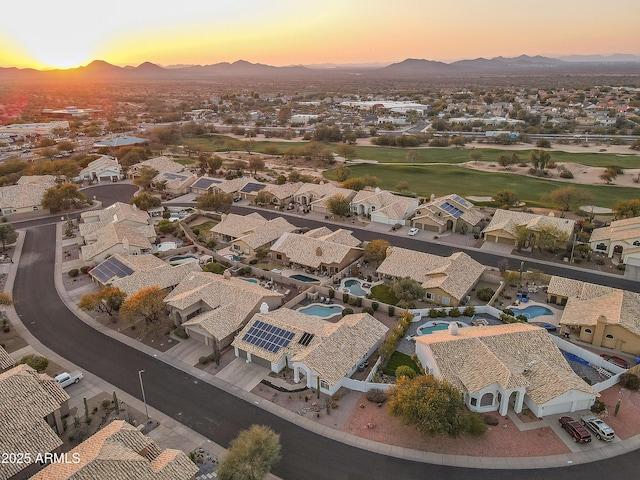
{"x":621,"y":362}
{"x":413,"y":231}
{"x":597,"y":426}
{"x":575,"y":429}
{"x":65,"y":379}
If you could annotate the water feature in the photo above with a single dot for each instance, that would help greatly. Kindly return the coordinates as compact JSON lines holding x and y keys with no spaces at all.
{"x":532,"y":311}
{"x":323,"y":311}
{"x":304,"y":278}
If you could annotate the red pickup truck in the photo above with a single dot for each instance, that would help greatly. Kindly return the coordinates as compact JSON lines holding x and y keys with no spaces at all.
{"x":575,"y":429}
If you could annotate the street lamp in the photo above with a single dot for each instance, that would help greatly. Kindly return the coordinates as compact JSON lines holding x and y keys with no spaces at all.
{"x":144,"y":398}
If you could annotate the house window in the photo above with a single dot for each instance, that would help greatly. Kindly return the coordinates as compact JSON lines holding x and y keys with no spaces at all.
{"x":609,"y":336}
{"x":601,"y":246}
{"x":236,"y":248}
{"x":587,"y":330}
{"x":278,"y":256}
{"x":486,"y":400}
{"x":429,"y":296}
{"x":474,"y":401}
{"x":636,"y":243}
{"x":446,"y":300}
{"x":324,"y":385}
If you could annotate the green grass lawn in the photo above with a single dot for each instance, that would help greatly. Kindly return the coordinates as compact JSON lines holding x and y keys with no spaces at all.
{"x":424,"y":180}
{"x":205,"y":226}
{"x":382,"y":293}
{"x":397,"y":359}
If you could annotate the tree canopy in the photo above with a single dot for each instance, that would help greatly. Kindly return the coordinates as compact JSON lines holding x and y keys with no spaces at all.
{"x":146,"y":174}
{"x":506,"y":198}
{"x":147,"y":303}
{"x":146,"y":201}
{"x":217,"y":202}
{"x":108,"y":300}
{"x":338,"y":204}
{"x":407,"y":290}
{"x":62,"y":197}
{"x":251,"y":455}
{"x":376,"y":251}
{"x":8,"y":235}
{"x":628,"y":208}
{"x":568,"y":198}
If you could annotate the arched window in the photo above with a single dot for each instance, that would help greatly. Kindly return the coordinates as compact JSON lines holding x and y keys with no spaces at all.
{"x":486,"y":400}
{"x":587,"y":330}
{"x":609,"y":336}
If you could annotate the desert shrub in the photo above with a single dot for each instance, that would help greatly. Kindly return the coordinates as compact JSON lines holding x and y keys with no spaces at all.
{"x":84,"y":269}
{"x":37,"y":362}
{"x":332,"y":293}
{"x":469,"y":311}
{"x":522,"y":318}
{"x":368,"y":310}
{"x":630,"y":381}
{"x":405,"y":371}
{"x":376,"y":396}
{"x":433,"y":313}
{"x":352,"y":301}
{"x":74,"y":272}
{"x":485,"y":294}
{"x":358,"y":301}
{"x":442,"y":312}
{"x":598,"y":407}
{"x":508,"y":311}
{"x":455,"y":312}
{"x":347,"y":311}
{"x":181,"y":332}
{"x":475,"y":424}
{"x":565,"y":173}
{"x":105,"y":403}
{"x":253,"y":261}
{"x":203,"y":360}
{"x":345,"y":298}
{"x":392,"y":310}
{"x":490,"y":419}
{"x":374,"y":306}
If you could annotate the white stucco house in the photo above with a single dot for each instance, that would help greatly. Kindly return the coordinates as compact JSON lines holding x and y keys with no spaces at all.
{"x":103,"y":169}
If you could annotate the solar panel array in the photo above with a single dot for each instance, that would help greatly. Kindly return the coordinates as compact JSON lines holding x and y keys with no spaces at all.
{"x":173,"y":176}
{"x":111,"y":267}
{"x":462,"y":201}
{"x":269,"y":337}
{"x":252,"y":187}
{"x":306,"y":338}
{"x":447,"y":207}
{"x":204,"y":182}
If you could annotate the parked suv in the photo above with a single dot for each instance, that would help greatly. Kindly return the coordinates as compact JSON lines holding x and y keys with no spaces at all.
{"x":597,"y":426}
{"x":575,"y":429}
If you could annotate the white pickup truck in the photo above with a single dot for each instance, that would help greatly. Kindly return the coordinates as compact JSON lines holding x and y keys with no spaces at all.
{"x":65,"y":379}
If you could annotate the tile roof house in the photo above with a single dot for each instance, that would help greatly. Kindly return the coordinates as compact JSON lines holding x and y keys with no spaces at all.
{"x":448,"y":213}
{"x":122,"y":141}
{"x":383,"y":206}
{"x":315,"y":194}
{"x":323,"y":256}
{"x":262,"y":237}
{"x":174,"y":183}
{"x":234,"y":226}
{"x":26,"y":195}
{"x":119,"y":228}
{"x":31,"y":409}
{"x":6,"y":362}
{"x":341,"y":236}
{"x":314,"y":348}
{"x":213,"y":306}
{"x":504,"y":224}
{"x":447,"y":280}
{"x":282,"y":194}
{"x":159,"y":164}
{"x":233,"y":186}
{"x":494,"y":366}
{"x":599,"y":315}
{"x":103,"y":169}
{"x":205,"y":185}
{"x":120,"y":452}
{"x":620,"y":237}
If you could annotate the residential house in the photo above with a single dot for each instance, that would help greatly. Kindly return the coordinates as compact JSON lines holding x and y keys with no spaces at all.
{"x":495,"y":366}
{"x":174,"y":183}
{"x":601,"y":316}
{"x":215,"y":307}
{"x":505,"y":224}
{"x":122,"y":141}
{"x":249,"y":190}
{"x":261,"y":237}
{"x":204,"y":185}
{"x":383,"y":206}
{"x":234,"y":226}
{"x":446,"y":280}
{"x":159,"y":164}
{"x":120,"y":451}
{"x":119,"y":228}
{"x":318,"y":351}
{"x":103,"y":169}
{"x":320,"y":256}
{"x":131,"y":273}
{"x":282,"y":195}
{"x":310,"y":193}
{"x":26,"y":195}
{"x":341,"y":236}
{"x":31,"y":409}
{"x":621,"y":237}
{"x":234,"y":186}
{"x":6,"y":362}
{"x":448,"y":213}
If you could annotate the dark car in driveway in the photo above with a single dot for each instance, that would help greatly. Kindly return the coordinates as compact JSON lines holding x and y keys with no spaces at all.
{"x":575,"y":429}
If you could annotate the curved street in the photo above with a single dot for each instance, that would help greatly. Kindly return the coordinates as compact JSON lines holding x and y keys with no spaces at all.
{"x":212,"y":411}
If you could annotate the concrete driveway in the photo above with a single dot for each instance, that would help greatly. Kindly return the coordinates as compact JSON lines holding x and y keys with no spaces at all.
{"x":242,"y":374}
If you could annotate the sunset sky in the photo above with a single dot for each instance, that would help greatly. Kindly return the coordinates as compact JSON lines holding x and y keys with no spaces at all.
{"x":69,"y":33}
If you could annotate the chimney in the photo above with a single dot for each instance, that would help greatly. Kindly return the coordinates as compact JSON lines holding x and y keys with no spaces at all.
{"x":453,"y":328}
{"x":264,"y":308}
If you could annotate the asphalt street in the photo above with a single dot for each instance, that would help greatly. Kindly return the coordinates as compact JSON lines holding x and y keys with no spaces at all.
{"x":213,"y":412}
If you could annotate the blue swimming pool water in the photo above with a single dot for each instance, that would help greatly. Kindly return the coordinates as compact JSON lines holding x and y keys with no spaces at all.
{"x":354,"y":287}
{"x":232,"y":257}
{"x":321,"y":310}
{"x":304,"y":278}
{"x":532,"y":311}
{"x":434,"y":328}
{"x":250,"y":280}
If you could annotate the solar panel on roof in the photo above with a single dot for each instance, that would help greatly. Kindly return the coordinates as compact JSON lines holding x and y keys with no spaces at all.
{"x":462,"y":201}
{"x":172,"y":176}
{"x":204,"y":182}
{"x":111,"y":267}
{"x":267,"y":336}
{"x":447,"y":207}
{"x":252,"y":187}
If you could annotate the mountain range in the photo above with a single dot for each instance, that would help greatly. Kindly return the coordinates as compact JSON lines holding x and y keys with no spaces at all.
{"x":99,"y":70}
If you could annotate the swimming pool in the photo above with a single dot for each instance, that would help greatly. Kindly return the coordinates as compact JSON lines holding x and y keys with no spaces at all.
{"x":532,"y":311}
{"x":232,"y":257}
{"x":323,"y":311}
{"x":435,"y":326}
{"x":164,"y":246}
{"x":354,"y":287}
{"x":180,"y":259}
{"x":250,"y":280}
{"x":304,"y":278}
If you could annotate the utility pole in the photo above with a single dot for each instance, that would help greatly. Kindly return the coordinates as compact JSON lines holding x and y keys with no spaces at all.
{"x":144,"y":398}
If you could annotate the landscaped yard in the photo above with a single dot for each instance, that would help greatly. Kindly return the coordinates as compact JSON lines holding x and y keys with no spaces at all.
{"x":382,"y":293}
{"x":397,"y":359}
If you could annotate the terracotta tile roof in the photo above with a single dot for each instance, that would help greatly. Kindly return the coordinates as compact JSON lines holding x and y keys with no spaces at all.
{"x":322,"y":190}
{"x":164,"y":276}
{"x":267,"y":233}
{"x":514,"y":355}
{"x":508,"y":220}
{"x":236,"y":226}
{"x":284,"y":191}
{"x":455,"y":274}
{"x":121,"y":452}
{"x":116,"y":234}
{"x":115,"y":213}
{"x":5,"y":359}
{"x":309,"y":251}
{"x":27,"y":193}
{"x":232,"y":186}
{"x":626,"y":229}
{"x":26,"y":398}
{"x":160,"y":164}
{"x":567,"y":287}
{"x":335,"y":348}
{"x":619,"y":307}
{"x":228,"y":301}
{"x":341,"y":236}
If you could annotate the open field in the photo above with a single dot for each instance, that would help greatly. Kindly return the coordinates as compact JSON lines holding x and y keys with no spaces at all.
{"x":444,"y":179}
